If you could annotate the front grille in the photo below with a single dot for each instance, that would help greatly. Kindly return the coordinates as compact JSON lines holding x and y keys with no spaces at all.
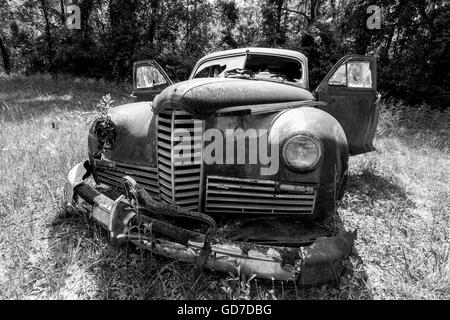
{"x":111,"y":175}
{"x":231,"y":195}
{"x":179,"y":172}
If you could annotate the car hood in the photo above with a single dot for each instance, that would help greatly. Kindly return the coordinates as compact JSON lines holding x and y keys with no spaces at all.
{"x":205,"y":97}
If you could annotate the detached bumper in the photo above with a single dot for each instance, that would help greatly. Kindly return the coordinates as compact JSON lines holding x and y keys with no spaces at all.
{"x":319,"y":262}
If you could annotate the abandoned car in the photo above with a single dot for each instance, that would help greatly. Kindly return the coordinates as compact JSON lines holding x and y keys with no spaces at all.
{"x":238,"y":167}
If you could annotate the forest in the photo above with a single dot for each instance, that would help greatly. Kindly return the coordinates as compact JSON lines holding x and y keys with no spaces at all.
{"x":412,"y":42}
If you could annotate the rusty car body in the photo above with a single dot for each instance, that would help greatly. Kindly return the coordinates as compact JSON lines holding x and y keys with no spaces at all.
{"x":229,"y":214}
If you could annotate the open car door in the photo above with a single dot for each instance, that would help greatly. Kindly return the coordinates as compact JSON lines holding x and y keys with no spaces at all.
{"x":350,"y":90}
{"x":149,"y":79}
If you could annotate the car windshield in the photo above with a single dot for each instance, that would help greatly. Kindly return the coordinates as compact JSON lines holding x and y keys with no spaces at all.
{"x":261,"y":66}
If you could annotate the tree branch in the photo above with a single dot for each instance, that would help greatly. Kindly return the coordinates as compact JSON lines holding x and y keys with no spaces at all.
{"x":298,"y":12}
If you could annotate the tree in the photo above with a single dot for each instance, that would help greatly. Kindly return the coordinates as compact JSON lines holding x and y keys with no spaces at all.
{"x":45,"y":9}
{"x":5,"y":13}
{"x":273,"y":28}
{"x":229,"y":16}
{"x":412,"y":45}
{"x":5,"y":56}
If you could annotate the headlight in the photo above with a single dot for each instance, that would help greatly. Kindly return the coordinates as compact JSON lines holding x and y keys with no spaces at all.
{"x":302,"y":152}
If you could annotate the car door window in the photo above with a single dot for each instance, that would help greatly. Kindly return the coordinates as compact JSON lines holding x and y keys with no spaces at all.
{"x":359,"y":75}
{"x":147,"y":76}
{"x":339,"y":78}
{"x":353,"y":74}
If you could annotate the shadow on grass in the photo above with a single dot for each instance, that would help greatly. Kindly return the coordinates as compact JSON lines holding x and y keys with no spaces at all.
{"x":25,"y":98}
{"x":21,"y":111}
{"x":34,"y":108}
{"x":124,"y":272}
{"x":370,"y":194}
{"x":373,"y":188}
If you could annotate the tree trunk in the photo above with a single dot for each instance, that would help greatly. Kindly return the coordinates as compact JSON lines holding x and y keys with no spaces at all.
{"x":152,"y":29}
{"x":279,"y":14}
{"x":48,"y":35}
{"x":384,"y":56}
{"x":63,"y":12}
{"x":313,"y":12}
{"x":5,"y":55}
{"x":188,"y":27}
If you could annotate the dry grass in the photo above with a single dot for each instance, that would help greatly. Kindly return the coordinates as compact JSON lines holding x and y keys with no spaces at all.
{"x":397,"y":198}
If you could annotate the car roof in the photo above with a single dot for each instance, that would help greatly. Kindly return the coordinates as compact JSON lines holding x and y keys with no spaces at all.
{"x":283,"y":52}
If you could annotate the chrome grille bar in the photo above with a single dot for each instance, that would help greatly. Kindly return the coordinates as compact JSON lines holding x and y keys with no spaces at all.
{"x":179,"y":170}
{"x":145,"y":176}
{"x":251,"y":196}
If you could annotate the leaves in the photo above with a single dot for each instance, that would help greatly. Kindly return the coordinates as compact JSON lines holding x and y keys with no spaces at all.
{"x":177,"y":33}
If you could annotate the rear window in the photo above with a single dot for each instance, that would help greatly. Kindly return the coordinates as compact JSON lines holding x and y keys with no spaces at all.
{"x":290,"y":68}
{"x":260,"y":65}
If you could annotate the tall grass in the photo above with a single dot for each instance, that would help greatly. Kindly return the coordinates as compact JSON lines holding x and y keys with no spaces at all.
{"x":397,"y":198}
{"x":420,"y":125}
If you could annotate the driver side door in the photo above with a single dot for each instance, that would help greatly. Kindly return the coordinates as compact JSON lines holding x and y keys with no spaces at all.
{"x":149,"y":79}
{"x":350,"y":90}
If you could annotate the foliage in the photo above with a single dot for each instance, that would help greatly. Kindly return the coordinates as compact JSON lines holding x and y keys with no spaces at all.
{"x":412,"y":45}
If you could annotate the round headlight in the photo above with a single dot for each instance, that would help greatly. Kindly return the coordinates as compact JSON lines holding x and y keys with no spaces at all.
{"x":301,"y":152}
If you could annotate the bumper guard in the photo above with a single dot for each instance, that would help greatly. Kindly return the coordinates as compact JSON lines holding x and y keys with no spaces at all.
{"x":319,"y":262}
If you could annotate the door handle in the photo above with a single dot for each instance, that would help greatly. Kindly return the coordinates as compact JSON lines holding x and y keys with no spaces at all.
{"x":378,"y":95}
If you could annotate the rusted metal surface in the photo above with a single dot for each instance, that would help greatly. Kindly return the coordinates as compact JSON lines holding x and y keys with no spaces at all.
{"x":160,"y":175}
{"x":268,"y":107}
{"x":135,"y":135}
{"x":356,"y":109}
{"x":308,"y":264}
{"x":204,"y":97}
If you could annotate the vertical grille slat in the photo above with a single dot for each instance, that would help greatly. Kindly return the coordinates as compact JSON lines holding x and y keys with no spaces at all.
{"x":180,"y":181}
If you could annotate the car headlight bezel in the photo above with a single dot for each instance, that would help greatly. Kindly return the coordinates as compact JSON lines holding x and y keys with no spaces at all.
{"x":316,"y":141}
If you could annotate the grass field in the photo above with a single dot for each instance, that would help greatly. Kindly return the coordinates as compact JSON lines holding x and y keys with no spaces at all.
{"x":397,"y":198}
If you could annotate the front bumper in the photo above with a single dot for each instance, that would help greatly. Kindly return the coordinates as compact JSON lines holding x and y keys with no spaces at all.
{"x":319,"y":262}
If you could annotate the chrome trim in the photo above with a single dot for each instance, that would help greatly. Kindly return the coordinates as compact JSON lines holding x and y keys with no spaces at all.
{"x":145,"y":176}
{"x":255,"y":196}
{"x":179,"y":183}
